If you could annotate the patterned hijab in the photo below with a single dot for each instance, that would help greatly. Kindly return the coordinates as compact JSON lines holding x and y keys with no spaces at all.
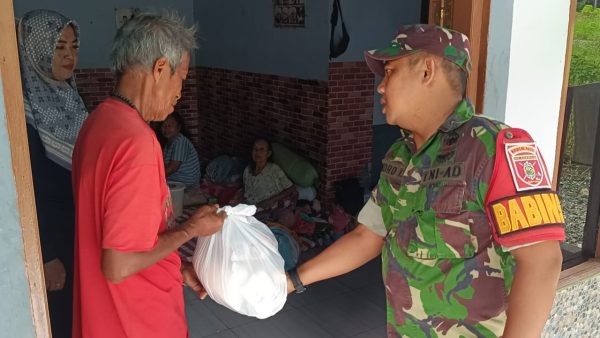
{"x":54,"y":108}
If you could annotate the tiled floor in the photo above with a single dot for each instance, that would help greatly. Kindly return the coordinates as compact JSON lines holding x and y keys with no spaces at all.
{"x":352,"y":305}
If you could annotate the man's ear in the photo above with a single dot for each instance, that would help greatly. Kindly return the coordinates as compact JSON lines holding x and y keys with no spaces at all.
{"x":161,"y":68}
{"x":430,"y":67}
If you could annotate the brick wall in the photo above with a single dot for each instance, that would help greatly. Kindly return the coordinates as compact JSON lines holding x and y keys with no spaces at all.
{"x":96,"y":84}
{"x":349,"y":122}
{"x":187,"y":105}
{"x":328,"y":122}
{"x":235,"y":107}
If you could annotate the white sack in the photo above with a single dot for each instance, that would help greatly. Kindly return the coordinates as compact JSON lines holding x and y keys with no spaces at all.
{"x":240,"y":266}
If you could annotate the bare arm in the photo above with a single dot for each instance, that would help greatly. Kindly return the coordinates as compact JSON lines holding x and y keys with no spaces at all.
{"x":172,"y":167}
{"x":346,"y":254}
{"x":533,"y":289}
{"x":118,"y":265}
{"x":268,"y":203}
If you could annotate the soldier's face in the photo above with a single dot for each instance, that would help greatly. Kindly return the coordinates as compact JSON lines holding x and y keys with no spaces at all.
{"x":400,"y":92}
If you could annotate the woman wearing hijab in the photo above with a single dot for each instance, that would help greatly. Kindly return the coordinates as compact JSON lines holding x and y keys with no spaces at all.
{"x":48,"y":51}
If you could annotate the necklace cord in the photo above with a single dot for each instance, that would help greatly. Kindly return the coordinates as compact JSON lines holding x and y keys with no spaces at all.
{"x":124,"y":99}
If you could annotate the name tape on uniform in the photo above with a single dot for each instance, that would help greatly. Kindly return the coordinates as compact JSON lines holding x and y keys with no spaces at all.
{"x":392,"y":169}
{"x":443,"y":173}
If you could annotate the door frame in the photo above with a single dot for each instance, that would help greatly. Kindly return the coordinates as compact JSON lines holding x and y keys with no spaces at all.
{"x":21,"y":167}
{"x":471,"y":17}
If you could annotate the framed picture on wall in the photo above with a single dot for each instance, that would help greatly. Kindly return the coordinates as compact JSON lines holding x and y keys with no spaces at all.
{"x":288,"y":13}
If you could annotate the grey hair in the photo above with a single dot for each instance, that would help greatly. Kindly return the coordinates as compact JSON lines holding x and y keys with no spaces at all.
{"x":147,"y":37}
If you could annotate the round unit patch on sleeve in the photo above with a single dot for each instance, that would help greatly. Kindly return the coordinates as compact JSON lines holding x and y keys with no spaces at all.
{"x":526,"y":166}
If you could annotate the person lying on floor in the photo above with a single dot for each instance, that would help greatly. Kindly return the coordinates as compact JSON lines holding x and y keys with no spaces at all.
{"x":267,"y":187}
{"x":180,"y":156}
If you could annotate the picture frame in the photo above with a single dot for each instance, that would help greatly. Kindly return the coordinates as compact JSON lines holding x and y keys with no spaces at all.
{"x":289,"y":13}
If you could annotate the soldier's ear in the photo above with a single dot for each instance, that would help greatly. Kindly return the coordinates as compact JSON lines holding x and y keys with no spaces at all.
{"x":429,"y":69}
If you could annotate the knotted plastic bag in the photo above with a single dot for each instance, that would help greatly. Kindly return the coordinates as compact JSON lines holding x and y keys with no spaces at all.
{"x":240,"y":266}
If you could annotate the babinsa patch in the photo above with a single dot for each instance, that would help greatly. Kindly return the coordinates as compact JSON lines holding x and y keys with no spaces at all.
{"x":526,"y":166}
{"x":522,"y":212}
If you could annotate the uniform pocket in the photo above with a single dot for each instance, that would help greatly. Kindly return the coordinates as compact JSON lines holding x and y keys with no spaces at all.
{"x":447,"y":198}
{"x":453,"y":236}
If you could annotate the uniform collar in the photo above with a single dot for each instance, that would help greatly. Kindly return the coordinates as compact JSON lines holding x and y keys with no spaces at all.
{"x":462,"y":113}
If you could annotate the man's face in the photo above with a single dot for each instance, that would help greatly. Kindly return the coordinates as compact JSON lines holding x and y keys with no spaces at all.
{"x":66,"y":54}
{"x":167,"y":90}
{"x":170,"y":128}
{"x":400,"y":89}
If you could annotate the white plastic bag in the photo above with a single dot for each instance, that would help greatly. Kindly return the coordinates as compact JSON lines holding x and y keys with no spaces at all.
{"x":240,"y":266}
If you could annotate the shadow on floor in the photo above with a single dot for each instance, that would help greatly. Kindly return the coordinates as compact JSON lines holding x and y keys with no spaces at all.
{"x":352,"y":305}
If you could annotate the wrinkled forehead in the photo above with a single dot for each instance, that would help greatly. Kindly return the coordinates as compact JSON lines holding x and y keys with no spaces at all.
{"x":184,"y":65}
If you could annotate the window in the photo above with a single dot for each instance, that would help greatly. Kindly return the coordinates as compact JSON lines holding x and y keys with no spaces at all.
{"x":579,"y":173}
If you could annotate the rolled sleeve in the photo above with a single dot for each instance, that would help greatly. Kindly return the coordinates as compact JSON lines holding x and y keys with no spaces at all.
{"x":370,"y":216}
{"x":514,"y":247}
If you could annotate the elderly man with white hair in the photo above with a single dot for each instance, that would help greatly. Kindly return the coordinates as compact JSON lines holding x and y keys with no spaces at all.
{"x":128,"y":276}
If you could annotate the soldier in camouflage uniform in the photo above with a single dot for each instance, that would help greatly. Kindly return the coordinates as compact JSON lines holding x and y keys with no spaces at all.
{"x":468,"y":235}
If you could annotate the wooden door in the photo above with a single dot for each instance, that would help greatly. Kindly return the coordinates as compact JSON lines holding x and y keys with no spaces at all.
{"x":472,"y":18}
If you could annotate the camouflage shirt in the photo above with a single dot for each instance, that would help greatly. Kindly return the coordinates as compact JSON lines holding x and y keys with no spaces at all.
{"x":444,"y":274}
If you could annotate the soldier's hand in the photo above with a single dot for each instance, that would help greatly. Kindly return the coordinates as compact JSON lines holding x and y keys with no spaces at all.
{"x":205,"y":221}
{"x":190,"y":278}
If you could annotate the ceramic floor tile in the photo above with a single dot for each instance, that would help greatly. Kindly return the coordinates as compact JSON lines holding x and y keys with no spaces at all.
{"x":345,"y":315}
{"x":201,"y":321}
{"x":317,"y":292}
{"x":378,"y":332}
{"x":352,"y":305}
{"x":363,"y":276}
{"x":228,"y":317}
{"x":222,"y":334}
{"x":374,"y":293}
{"x":288,"y":324}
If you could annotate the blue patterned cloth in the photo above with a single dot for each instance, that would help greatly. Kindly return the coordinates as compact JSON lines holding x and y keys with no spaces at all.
{"x":182,"y":150}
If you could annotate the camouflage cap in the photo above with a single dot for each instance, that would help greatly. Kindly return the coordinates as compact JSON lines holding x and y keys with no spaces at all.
{"x":449,"y":44}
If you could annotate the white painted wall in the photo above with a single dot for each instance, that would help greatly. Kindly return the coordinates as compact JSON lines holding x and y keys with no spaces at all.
{"x":239,"y":35}
{"x":498,"y":58}
{"x":15,"y":310}
{"x":525,"y":67}
{"x":97,"y":20}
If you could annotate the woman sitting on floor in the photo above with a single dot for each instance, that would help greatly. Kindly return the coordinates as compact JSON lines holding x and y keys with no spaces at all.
{"x":267,"y":187}
{"x":180,"y":156}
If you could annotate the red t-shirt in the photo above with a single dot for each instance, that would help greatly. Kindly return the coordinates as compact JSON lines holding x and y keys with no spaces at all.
{"x":122,"y":203}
